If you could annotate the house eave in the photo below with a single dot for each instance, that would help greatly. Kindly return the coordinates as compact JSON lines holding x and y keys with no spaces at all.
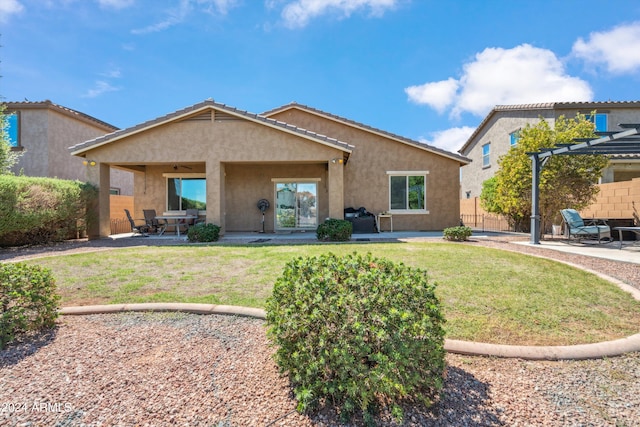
{"x":84,"y":147}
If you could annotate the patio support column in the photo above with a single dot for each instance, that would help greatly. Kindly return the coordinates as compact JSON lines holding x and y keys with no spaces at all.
{"x":215,"y":194}
{"x":99,"y":215}
{"x":336,"y":189}
{"x":535,"y":199}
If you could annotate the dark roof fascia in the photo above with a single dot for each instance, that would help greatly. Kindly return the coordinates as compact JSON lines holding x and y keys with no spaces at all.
{"x":548,"y":106}
{"x":78,"y":149}
{"x":367,"y":128}
{"x":69,"y":112}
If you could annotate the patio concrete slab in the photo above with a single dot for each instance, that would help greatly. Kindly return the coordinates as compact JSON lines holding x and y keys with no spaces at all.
{"x":628,"y":253}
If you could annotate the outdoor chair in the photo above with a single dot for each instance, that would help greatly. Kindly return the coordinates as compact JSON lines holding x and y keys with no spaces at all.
{"x":190,"y":222}
{"x":158,"y":226}
{"x":139,"y":230}
{"x":581,"y":229}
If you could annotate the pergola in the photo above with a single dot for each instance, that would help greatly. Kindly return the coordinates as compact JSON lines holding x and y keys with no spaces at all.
{"x":622,"y":142}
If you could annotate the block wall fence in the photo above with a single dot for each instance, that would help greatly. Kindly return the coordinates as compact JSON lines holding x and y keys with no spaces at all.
{"x":615,"y":200}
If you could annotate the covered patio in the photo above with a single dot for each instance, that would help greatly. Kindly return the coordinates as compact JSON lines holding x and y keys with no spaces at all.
{"x":222,"y":161}
{"x":622,"y":142}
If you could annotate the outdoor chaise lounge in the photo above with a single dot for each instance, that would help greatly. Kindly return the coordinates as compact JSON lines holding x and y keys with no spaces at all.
{"x":579,"y":229}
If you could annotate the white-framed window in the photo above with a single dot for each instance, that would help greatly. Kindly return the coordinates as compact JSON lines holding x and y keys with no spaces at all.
{"x":486,"y":153}
{"x":186,"y":191}
{"x":408,"y":191}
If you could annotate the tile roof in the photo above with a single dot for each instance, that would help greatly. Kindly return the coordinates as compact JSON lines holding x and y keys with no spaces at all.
{"x":368,"y":128}
{"x":548,"y":106}
{"x":33,"y":105}
{"x":201,"y":106}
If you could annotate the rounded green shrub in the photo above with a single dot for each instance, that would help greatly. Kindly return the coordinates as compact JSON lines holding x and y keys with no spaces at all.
{"x":203,"y":233}
{"x":335,"y":230}
{"x":28,"y":300}
{"x":458,"y":234}
{"x":357,"y":331}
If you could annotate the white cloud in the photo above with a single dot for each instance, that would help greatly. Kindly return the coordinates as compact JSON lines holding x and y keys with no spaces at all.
{"x":618,"y":49}
{"x":437,"y":95}
{"x":114,"y":73}
{"x":9,"y":8}
{"x":175,"y":16}
{"x":521,"y":75}
{"x":179,"y":14}
{"x":115,"y":4}
{"x":217,"y":6}
{"x":298,"y":13}
{"x":451,"y":139}
{"x":100,"y":88}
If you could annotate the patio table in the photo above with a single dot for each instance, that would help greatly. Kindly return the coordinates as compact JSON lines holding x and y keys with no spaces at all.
{"x":174,"y":221}
{"x":635,"y":230}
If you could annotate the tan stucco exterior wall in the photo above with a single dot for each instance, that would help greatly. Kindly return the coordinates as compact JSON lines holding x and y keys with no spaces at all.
{"x":46,"y":135}
{"x":246,"y":184}
{"x":240,"y":158}
{"x":366,"y":178}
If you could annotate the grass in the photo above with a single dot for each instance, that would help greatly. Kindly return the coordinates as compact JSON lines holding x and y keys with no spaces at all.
{"x":488,"y":295}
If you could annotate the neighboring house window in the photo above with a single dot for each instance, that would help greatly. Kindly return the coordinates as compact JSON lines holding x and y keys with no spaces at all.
{"x":486,"y":150}
{"x":114,"y":191}
{"x":186,"y":191}
{"x":514,"y":137}
{"x":600,"y":120}
{"x":13,"y":130}
{"x":407,"y":191}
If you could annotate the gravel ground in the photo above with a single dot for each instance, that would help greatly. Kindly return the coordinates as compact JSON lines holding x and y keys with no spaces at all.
{"x":162,"y":369}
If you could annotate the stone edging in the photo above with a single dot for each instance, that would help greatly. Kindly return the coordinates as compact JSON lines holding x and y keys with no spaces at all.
{"x":575,"y":352}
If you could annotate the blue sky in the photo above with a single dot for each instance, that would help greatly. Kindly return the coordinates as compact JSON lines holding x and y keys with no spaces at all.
{"x":427,"y":70}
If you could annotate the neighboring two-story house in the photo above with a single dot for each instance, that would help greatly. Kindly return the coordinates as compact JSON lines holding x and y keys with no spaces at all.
{"x":498,"y":132}
{"x":43,"y":132}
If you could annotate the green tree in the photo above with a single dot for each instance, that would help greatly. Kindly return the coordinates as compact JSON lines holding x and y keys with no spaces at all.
{"x":565,"y":181}
{"x":488,"y":196}
{"x":8,"y":157}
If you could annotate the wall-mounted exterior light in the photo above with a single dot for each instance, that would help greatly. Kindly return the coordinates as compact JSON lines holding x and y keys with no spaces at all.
{"x":89,"y":162}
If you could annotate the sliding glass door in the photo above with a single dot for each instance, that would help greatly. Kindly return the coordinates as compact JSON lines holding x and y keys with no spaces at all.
{"x":296,"y":205}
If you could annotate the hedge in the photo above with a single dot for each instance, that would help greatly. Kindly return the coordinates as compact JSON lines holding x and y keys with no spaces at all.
{"x":36,"y":210}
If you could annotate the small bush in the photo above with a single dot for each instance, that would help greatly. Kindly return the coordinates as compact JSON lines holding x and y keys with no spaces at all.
{"x":357,"y":331}
{"x":458,"y":234}
{"x":335,"y":230}
{"x":204,"y":233}
{"x":28,"y":301}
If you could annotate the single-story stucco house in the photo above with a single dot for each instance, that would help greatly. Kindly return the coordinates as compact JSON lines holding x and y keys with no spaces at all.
{"x":310,"y":165}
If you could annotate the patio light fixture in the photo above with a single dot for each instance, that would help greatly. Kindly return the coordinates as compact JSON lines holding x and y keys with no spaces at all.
{"x":336,"y":160}
{"x":89,"y":162}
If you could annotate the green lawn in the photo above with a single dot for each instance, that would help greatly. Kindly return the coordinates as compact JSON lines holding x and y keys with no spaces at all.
{"x":488,"y":295}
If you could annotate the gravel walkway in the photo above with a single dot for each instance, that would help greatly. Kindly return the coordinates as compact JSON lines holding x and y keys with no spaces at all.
{"x":181,"y":369}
